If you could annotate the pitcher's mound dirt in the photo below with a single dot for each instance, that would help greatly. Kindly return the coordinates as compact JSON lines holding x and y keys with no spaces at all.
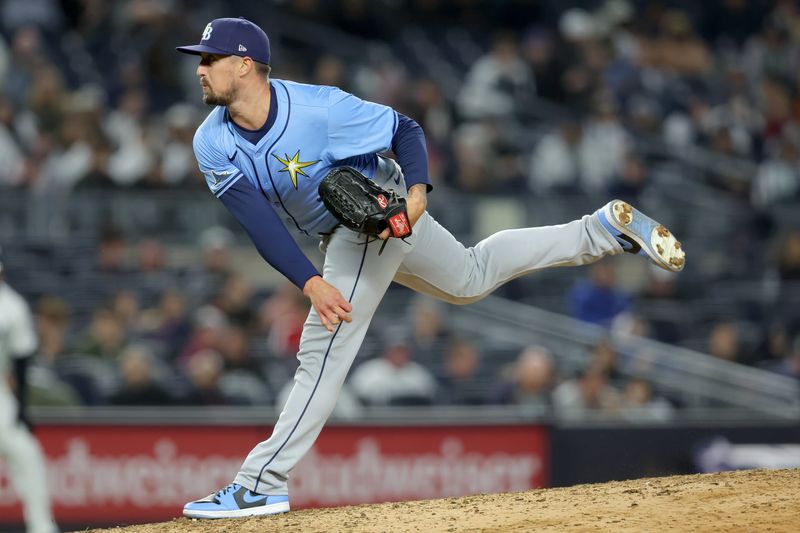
{"x":755,"y":500}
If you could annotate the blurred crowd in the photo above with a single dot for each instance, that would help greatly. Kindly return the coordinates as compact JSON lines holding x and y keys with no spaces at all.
{"x":93,"y":94}
{"x":208,"y":337}
{"x":515,"y":96}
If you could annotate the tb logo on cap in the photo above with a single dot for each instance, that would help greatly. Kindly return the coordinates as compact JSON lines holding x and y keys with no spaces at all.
{"x":207,"y":32}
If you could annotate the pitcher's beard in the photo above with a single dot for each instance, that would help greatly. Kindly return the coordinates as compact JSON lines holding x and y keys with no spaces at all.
{"x":214,"y":99}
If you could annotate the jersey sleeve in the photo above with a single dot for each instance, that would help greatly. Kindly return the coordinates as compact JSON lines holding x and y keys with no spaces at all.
{"x":269,"y":235}
{"x":22,"y":336}
{"x":219,"y":171}
{"x":357,"y":127}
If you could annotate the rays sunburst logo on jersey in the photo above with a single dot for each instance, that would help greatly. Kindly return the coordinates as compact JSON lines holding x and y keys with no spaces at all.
{"x":294,"y":166}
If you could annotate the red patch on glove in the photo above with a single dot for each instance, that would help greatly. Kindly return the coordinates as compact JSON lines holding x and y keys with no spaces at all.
{"x":400,"y":225}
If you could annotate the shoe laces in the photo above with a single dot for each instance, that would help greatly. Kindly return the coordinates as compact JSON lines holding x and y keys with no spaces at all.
{"x":230,"y":488}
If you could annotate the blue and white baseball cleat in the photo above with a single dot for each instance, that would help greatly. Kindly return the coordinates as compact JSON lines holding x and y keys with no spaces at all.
{"x":235,"y":501}
{"x":639,"y":234}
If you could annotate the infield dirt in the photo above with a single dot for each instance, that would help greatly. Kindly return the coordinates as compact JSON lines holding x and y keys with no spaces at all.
{"x":754,"y":500}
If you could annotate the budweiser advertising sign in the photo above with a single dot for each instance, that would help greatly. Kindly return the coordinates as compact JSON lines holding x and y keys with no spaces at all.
{"x":124,"y":474}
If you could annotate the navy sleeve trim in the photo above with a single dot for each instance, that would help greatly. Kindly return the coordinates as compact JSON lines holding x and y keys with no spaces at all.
{"x":408,"y":145}
{"x":269,"y":235}
{"x":228,"y":186}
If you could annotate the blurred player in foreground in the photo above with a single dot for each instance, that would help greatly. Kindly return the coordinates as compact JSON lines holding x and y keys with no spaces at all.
{"x":17,"y":444}
{"x":264,"y":149}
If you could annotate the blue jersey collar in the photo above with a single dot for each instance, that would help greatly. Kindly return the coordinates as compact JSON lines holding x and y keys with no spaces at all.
{"x":278,"y":114}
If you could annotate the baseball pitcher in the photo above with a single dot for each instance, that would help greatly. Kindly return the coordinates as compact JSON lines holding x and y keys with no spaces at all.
{"x":281,"y":154}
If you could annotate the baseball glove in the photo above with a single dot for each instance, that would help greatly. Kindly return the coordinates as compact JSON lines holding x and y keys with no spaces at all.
{"x":361,"y":205}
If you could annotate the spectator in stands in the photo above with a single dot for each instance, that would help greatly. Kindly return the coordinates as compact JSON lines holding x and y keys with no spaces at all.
{"x":724,"y":343}
{"x":488,"y":157}
{"x":168,"y":323}
{"x":631,"y":182}
{"x":530,"y":382}
{"x":778,"y":178}
{"x":81,"y":156}
{"x":235,"y":350}
{"x":111,"y":256}
{"x":789,"y":364}
{"x":209,"y":325}
{"x":776,"y":108}
{"x":581,"y":50}
{"x":234,"y":299}
{"x":597,"y":299}
{"x":215,"y":266}
{"x":151,"y":256}
{"x":433,"y":111}
{"x":138,"y":384}
{"x":52,"y":323}
{"x":666,"y":305}
{"x":204,"y":371}
{"x":496,"y":81}
{"x":776,"y":343}
{"x":11,"y":149}
{"x":153,"y":276}
{"x":104,"y":338}
{"x":394,"y":378}
{"x":430,"y":334}
{"x":689,"y":124}
{"x":640,"y":404}
{"x":331,"y":70}
{"x":738,"y":115}
{"x":588,"y":394}
{"x":125,"y":307}
{"x":604,"y":358}
{"x":459,"y":380}
{"x":555,"y":166}
{"x":729,"y":173}
{"x":44,"y":99}
{"x":111,"y":251}
{"x":731,"y":22}
{"x":242,"y":380}
{"x":46,"y":387}
{"x":789,"y":257}
{"x":281,"y":317}
{"x":630,"y":324}
{"x":539,"y":51}
{"x":472,"y":155}
{"x":177,"y":164}
{"x":27,"y":56}
{"x":132,"y":159}
{"x":679,"y":48}
{"x":771,"y":52}
{"x":604,"y":145}
{"x":643,"y":115}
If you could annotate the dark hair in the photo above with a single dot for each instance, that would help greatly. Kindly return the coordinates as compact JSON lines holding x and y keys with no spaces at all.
{"x":263,"y":69}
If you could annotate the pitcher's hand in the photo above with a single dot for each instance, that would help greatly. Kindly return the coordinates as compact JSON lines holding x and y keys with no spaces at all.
{"x":328,"y":302}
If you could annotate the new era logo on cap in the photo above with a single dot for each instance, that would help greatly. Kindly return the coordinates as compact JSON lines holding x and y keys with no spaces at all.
{"x":232,"y":36}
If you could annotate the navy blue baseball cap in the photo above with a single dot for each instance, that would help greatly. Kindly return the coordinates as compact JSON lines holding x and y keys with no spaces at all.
{"x":232,"y":36}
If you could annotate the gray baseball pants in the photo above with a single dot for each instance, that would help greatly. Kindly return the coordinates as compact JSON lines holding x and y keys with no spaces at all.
{"x":433,"y":262}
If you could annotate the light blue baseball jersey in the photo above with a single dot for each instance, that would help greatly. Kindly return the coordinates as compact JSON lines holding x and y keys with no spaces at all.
{"x":316,"y":128}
